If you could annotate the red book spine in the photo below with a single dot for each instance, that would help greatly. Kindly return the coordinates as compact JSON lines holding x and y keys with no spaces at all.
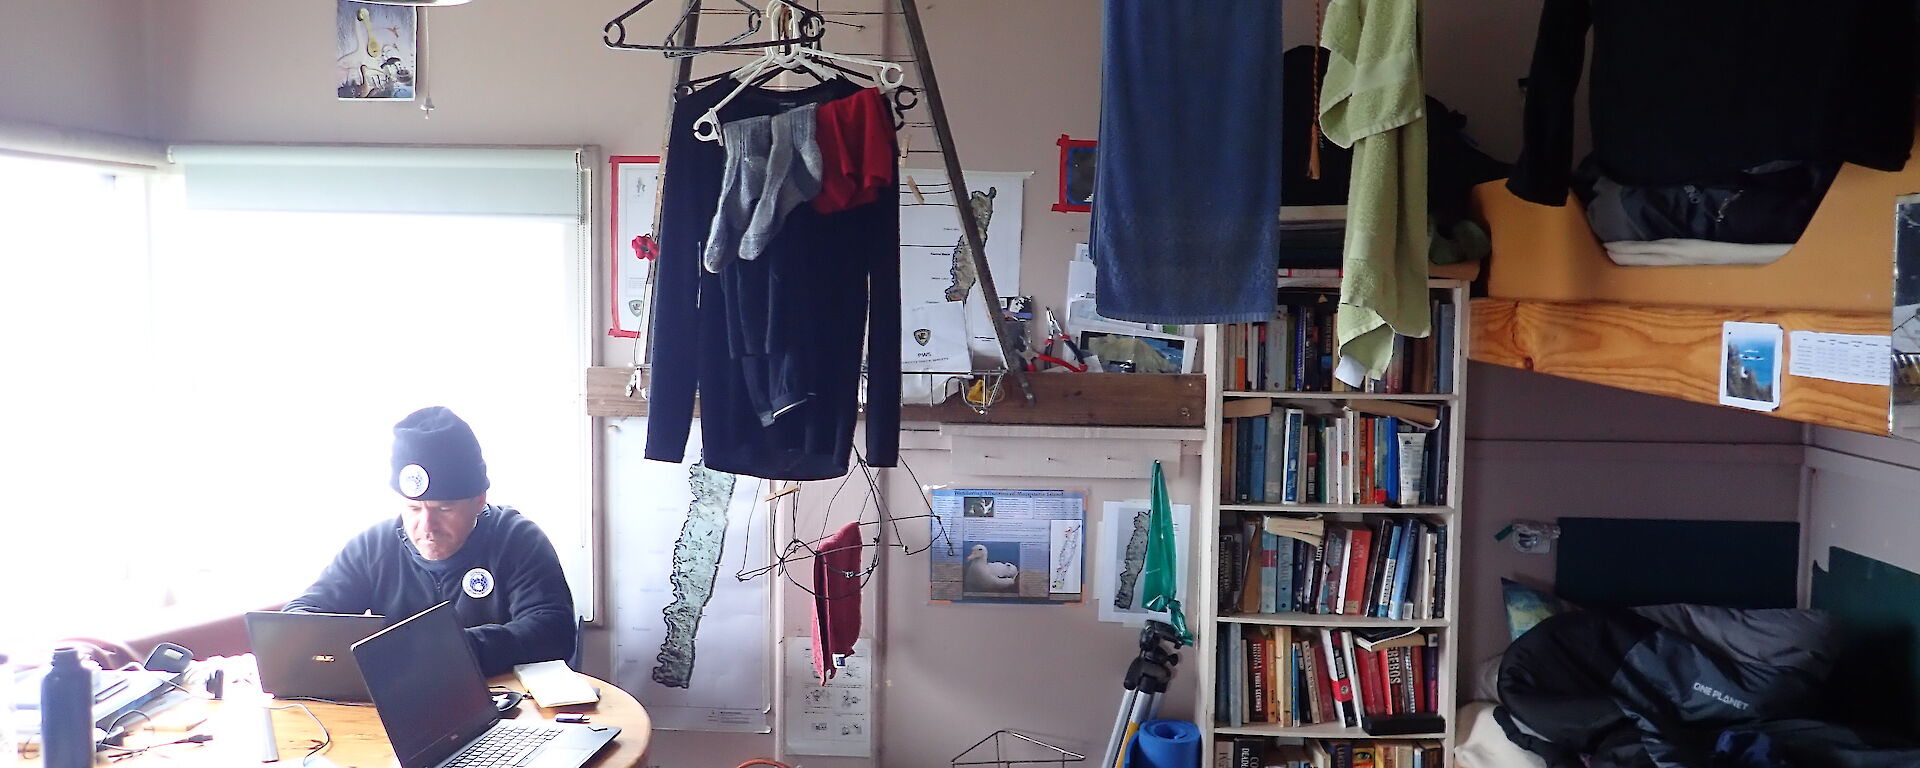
{"x":1329,"y":710}
{"x":1358,"y":555}
{"x":1390,"y":692}
{"x":1372,"y":693}
{"x":1416,"y":665}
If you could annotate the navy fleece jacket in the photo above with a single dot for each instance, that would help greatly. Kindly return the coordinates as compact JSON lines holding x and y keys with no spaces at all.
{"x":520,"y":611}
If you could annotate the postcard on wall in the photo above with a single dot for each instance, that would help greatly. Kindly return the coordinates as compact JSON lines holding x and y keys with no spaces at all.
{"x":1009,"y":546}
{"x":636,"y":185}
{"x":1856,"y":358}
{"x":1141,"y":352}
{"x":376,"y":50}
{"x":1122,"y":558}
{"x":1751,"y":363}
{"x":831,"y":719}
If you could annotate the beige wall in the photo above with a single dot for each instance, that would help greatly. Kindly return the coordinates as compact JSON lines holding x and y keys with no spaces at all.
{"x":75,"y":64}
{"x":1017,"y":74}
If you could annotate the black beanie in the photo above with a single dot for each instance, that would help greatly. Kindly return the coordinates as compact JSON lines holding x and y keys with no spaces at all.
{"x":436,"y":457}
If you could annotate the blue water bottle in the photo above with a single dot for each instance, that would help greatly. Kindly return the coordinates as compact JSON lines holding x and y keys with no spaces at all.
{"x":66,"y":713}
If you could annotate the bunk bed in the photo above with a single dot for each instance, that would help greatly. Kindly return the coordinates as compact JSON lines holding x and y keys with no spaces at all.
{"x":1555,"y":304}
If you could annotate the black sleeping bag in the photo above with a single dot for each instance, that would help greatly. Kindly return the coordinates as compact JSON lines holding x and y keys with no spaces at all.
{"x":1682,"y":686}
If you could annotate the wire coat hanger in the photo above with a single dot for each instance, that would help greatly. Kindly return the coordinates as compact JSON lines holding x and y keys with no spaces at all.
{"x":778,"y":55}
{"x":811,"y":28}
{"x":797,"y":550}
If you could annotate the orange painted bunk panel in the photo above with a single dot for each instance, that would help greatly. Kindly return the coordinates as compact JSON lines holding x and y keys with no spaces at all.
{"x":1843,"y":263}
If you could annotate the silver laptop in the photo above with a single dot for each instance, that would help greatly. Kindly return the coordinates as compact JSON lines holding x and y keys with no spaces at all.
{"x":435,"y":707}
{"x":309,"y":655}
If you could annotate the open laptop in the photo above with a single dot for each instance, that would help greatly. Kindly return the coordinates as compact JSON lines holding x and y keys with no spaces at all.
{"x":309,"y":655}
{"x":435,"y":707}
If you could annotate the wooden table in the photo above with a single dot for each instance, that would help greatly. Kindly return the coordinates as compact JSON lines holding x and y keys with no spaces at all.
{"x":358,"y":739}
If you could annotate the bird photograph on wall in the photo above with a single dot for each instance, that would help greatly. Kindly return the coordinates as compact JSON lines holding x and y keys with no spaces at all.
{"x":376,"y":50}
{"x":992,"y":567}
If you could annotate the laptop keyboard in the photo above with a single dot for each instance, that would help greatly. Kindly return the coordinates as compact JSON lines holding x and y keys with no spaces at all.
{"x":503,"y":748}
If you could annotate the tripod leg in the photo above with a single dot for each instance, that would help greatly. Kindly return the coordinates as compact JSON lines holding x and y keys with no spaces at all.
{"x":1121,"y":729}
{"x":1137,"y":715}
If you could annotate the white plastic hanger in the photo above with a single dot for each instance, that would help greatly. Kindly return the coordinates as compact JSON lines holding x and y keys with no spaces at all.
{"x":888,"y":75}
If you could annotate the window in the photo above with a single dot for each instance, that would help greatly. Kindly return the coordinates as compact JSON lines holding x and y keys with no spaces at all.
{"x":74,"y":442}
{"x":228,"y":398}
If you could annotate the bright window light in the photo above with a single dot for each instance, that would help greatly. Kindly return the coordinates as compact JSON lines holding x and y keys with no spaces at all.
{"x":200,"y":432}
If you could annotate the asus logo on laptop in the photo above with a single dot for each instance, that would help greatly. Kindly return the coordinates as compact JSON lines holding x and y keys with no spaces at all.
{"x":324,"y":658}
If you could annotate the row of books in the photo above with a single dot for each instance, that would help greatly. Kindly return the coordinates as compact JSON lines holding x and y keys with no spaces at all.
{"x":1366,"y":452}
{"x":1296,"y":351}
{"x":1261,"y":752}
{"x":1390,"y":567}
{"x":1299,"y":676}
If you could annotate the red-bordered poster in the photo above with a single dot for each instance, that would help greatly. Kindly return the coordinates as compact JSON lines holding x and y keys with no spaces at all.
{"x":635,"y":188}
{"x":1076,"y":174}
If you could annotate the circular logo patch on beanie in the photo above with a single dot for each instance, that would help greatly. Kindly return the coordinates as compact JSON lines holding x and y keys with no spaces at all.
{"x":478,"y":583}
{"x":413,"y":481}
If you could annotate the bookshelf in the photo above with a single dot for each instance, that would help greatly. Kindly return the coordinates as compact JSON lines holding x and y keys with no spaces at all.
{"x":1228,"y":395}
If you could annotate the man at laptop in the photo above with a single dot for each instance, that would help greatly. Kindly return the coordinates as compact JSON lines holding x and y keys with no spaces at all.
{"x":448,"y":544}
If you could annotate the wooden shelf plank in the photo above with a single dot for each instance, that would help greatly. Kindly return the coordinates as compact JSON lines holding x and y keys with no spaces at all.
{"x":1072,"y":399}
{"x":607,"y":393}
{"x":1421,"y":398}
{"x":1671,"y":352}
{"x":1331,"y":509}
{"x":1321,"y":731}
{"x":1326,"y":620}
{"x":1086,"y":399}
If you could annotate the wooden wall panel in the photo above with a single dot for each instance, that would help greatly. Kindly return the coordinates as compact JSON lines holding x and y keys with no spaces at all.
{"x":1089,"y":399}
{"x":607,"y":393}
{"x":1080,"y":399}
{"x":1669,"y":351}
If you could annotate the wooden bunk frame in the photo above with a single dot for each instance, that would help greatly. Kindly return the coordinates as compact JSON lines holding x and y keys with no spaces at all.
{"x":1555,"y":304}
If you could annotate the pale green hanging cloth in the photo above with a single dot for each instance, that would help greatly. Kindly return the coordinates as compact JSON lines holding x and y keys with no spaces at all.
{"x":1160,"y":578}
{"x":1372,"y":101}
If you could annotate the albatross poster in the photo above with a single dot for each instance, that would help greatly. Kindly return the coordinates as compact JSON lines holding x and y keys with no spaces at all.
{"x":376,"y":51}
{"x":1009,"y":546}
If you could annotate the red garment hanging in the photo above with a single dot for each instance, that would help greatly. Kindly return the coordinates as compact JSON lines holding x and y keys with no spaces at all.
{"x":855,"y":135}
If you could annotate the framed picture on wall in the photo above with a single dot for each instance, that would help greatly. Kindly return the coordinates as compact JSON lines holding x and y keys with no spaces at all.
{"x":376,"y":50}
{"x":1077,"y":161}
{"x":635,"y":188}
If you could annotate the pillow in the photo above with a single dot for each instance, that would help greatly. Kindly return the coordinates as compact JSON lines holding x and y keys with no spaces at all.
{"x":1484,"y":744}
{"x":1527,"y":606}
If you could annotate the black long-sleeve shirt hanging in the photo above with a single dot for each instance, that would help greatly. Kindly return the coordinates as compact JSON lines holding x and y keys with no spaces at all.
{"x":785,"y":327}
{"x":1700,"y":91}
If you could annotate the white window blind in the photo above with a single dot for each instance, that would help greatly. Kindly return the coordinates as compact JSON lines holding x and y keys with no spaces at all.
{"x":385,"y":179}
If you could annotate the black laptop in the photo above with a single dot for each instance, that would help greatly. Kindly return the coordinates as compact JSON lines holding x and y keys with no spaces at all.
{"x":310,"y":655}
{"x":435,"y":707}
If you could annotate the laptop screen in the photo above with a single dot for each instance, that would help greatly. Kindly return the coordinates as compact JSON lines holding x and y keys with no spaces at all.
{"x":426,"y":685}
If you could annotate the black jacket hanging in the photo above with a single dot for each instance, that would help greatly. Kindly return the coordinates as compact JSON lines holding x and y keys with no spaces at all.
{"x":801,"y":308}
{"x":1697,"y":92}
